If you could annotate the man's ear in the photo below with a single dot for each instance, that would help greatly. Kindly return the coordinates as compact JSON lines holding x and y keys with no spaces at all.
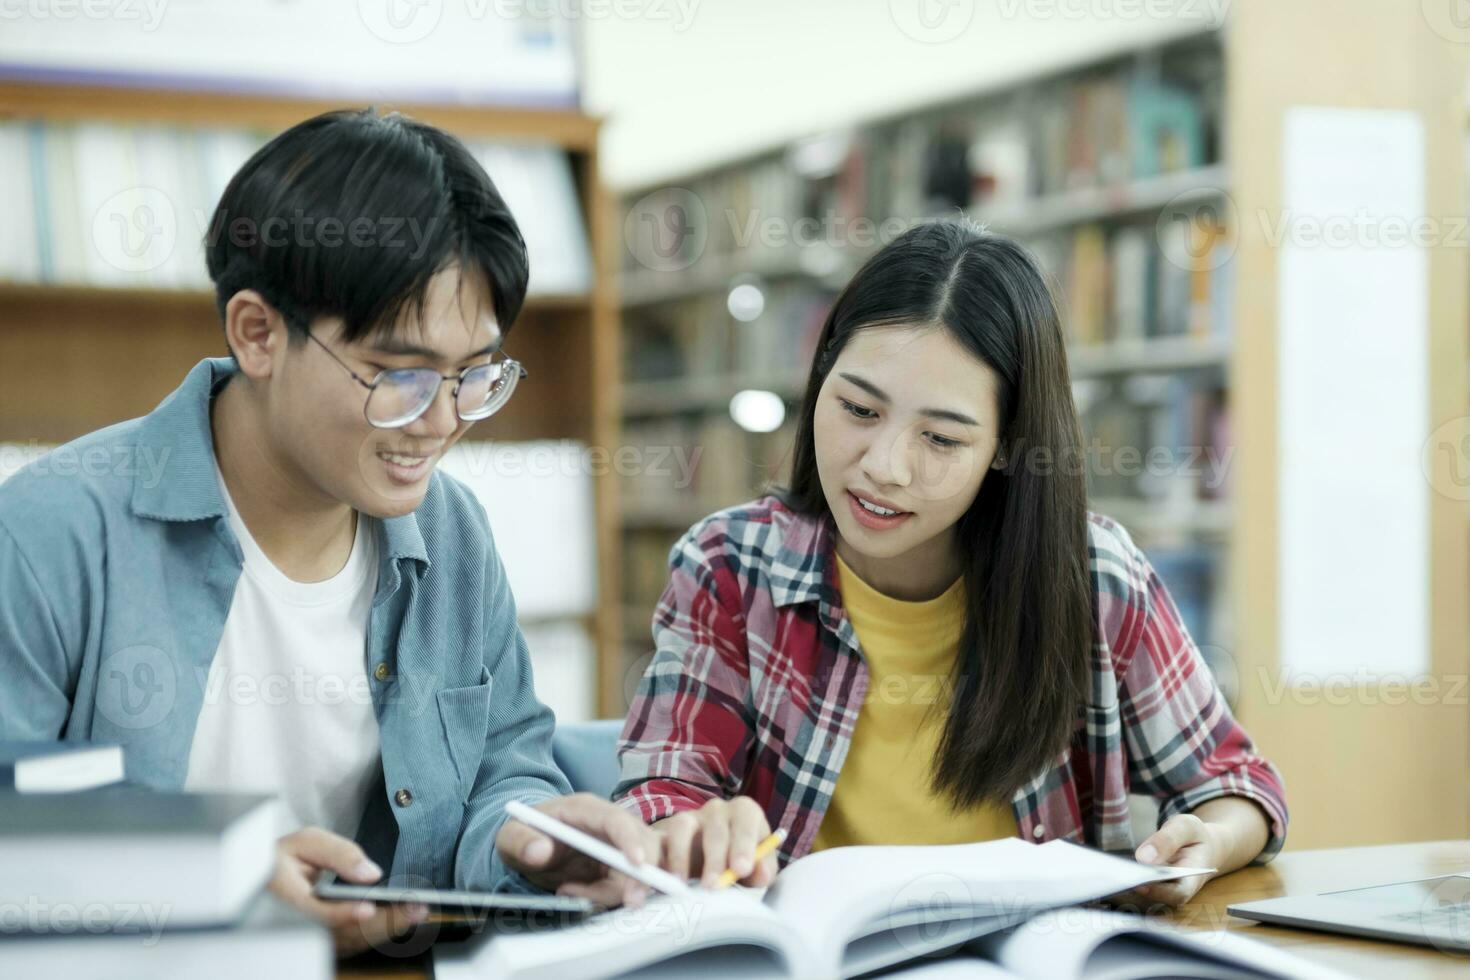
{"x":256,"y":333}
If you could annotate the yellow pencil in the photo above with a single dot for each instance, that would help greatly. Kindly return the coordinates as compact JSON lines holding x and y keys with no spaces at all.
{"x":762,"y":851}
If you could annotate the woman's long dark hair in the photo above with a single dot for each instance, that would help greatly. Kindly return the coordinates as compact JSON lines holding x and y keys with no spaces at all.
{"x":1021,"y":676}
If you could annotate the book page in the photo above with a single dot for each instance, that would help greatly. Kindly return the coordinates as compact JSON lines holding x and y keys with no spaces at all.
{"x":626,"y":939}
{"x":1098,"y":944}
{"x":885,"y":905}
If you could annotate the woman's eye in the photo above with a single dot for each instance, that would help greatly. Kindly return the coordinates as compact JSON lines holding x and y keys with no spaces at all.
{"x":942,"y":442}
{"x":857,"y":410}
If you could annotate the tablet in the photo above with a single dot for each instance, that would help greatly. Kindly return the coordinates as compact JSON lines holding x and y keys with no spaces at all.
{"x":333,"y":888}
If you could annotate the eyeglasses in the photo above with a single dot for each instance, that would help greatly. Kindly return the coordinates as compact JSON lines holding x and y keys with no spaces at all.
{"x":396,"y":397}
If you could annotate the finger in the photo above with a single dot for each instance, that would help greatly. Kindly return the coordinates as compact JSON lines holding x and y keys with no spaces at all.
{"x":617,"y":826}
{"x":604,"y":891}
{"x":764,"y":874}
{"x":324,"y":849}
{"x":525,"y":847}
{"x":747,"y":828}
{"x":292,"y":885}
{"x":1177,"y":832}
{"x":714,"y":831}
{"x":678,"y":834}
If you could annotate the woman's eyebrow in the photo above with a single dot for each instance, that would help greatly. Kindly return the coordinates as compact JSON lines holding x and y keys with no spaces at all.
{"x":882,"y":396}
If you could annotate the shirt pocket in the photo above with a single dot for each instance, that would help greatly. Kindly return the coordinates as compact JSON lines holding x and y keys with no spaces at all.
{"x":465,"y":714}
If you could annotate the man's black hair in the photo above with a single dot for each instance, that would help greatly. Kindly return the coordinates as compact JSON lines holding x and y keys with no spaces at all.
{"x":350,"y":214}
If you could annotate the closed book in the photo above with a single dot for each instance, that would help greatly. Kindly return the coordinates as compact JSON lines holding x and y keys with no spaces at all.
{"x":125,"y":851}
{"x":58,"y":767}
{"x":269,"y":940}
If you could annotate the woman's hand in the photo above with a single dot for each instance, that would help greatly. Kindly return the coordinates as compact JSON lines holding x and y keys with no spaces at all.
{"x":552,"y":865}
{"x":721,"y":834}
{"x":1184,"y":841}
{"x":302,"y":857}
{"x":1225,"y":833}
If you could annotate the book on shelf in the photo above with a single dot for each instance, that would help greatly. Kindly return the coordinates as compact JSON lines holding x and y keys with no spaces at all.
{"x":109,"y":204}
{"x":1140,"y":282}
{"x":850,"y":911}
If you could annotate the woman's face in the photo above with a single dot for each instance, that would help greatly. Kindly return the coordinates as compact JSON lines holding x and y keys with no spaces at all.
{"x":906,"y":428}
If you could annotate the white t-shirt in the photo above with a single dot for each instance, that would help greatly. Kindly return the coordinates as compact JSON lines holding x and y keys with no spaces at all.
{"x":288,"y":708}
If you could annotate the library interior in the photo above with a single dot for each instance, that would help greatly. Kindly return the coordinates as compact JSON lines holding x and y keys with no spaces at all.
{"x":726,"y":244}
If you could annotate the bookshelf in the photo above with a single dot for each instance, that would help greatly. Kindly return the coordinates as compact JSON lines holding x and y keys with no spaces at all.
{"x":1009,"y":158}
{"x":61,"y":337}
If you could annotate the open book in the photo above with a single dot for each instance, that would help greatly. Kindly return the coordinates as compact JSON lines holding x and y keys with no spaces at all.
{"x":837,"y":913}
{"x":1096,"y":944}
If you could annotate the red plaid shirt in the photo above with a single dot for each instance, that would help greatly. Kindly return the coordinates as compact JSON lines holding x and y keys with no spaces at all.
{"x":757,"y":681}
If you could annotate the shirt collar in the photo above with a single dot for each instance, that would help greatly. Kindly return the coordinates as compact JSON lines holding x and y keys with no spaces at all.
{"x":803,"y":570}
{"x":178,"y":435}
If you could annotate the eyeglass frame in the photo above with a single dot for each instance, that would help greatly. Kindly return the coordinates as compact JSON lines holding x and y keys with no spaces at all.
{"x":458,"y":379}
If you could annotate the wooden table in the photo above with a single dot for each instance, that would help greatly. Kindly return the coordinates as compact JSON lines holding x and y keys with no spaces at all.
{"x":1294,"y":873}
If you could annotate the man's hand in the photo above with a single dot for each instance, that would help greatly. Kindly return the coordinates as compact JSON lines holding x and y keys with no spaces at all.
{"x":356,"y":926}
{"x":554,"y":866}
{"x":721,"y":834}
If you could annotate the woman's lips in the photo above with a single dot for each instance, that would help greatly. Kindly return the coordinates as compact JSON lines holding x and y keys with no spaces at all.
{"x":872,"y":521}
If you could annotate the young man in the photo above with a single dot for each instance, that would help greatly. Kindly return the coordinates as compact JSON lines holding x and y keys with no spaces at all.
{"x":266,"y":586}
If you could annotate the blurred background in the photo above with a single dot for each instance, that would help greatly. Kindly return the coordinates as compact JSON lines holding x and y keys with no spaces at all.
{"x":1253,"y":213}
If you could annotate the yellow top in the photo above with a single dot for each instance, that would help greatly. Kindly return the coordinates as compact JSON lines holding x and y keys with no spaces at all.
{"x":883,"y":794}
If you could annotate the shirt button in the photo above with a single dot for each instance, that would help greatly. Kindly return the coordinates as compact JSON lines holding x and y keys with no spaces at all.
{"x":381,"y":672}
{"x":1038,"y":831}
{"x":403,"y":797}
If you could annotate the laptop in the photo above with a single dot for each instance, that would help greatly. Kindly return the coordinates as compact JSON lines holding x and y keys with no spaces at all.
{"x":1431,"y":912}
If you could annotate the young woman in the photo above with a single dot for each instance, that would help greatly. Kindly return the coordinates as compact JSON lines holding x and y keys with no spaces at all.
{"x":928,"y":638}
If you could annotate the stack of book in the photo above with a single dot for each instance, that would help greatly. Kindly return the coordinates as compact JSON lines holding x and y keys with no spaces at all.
{"x":103,"y":878}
